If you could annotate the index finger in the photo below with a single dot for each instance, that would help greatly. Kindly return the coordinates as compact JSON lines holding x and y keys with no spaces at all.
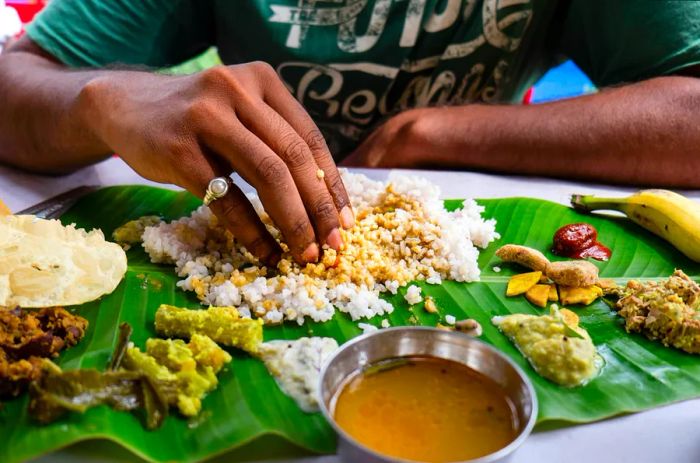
{"x":294,"y":113}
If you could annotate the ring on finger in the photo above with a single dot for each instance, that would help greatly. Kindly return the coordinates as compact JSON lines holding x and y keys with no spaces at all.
{"x":217,"y":188}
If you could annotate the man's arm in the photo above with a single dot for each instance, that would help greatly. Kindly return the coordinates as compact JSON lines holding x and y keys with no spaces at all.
{"x":42,"y":127}
{"x":184,"y":130}
{"x":645,"y":133}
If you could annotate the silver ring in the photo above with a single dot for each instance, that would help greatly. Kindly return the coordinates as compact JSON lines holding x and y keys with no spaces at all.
{"x":217,"y":188}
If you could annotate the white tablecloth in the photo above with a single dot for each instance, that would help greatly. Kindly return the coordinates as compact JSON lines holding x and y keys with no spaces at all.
{"x":667,"y":434}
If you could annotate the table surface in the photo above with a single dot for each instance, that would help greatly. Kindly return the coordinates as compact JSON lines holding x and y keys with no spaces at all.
{"x":666,"y":434}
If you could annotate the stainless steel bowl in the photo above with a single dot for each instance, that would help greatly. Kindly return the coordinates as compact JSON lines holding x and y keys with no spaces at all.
{"x":398,"y":342}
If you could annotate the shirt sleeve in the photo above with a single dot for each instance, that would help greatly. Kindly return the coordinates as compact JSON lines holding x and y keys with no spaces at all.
{"x":95,"y":33}
{"x":616,"y":41}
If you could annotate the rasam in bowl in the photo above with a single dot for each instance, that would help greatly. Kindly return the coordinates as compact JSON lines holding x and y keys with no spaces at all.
{"x":417,"y":394}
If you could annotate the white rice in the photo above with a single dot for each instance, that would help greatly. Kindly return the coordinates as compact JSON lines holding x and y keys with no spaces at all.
{"x":229,"y":276}
{"x":450,"y":319}
{"x":367,"y":328}
{"x":413,"y":295}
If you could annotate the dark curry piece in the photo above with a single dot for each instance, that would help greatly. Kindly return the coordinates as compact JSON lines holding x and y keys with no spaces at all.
{"x":27,"y":337}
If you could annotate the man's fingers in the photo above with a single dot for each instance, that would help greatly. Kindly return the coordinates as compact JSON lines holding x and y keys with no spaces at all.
{"x":239,"y":216}
{"x":276,"y":133}
{"x":234,"y":209}
{"x":263,"y":169}
{"x":294,"y":113}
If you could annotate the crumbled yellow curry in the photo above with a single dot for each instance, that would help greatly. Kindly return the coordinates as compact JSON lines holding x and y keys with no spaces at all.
{"x":190,"y":368}
{"x":555,"y":345}
{"x":222,"y":324}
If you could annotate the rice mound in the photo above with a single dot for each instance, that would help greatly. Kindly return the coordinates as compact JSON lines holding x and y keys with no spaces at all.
{"x":403,"y":233}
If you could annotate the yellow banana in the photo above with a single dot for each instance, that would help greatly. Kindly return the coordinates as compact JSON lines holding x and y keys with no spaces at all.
{"x":669,"y":215}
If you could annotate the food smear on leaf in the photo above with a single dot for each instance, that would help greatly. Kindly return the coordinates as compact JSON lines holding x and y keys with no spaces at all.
{"x":131,"y":232}
{"x":224,"y":325}
{"x":59,"y":392}
{"x":579,"y":241}
{"x":667,"y":311}
{"x":296,"y":366}
{"x":554,"y":344}
{"x":426,"y":409}
{"x":28,"y":337}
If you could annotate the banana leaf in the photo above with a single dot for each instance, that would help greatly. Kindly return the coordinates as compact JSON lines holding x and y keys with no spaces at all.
{"x":250,"y":416}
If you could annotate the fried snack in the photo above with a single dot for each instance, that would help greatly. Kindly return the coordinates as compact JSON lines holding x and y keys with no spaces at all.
{"x":523,"y":255}
{"x":520,"y":284}
{"x":574,"y":273}
{"x":224,"y":325}
{"x":585,"y":295}
{"x":569,"y":317}
{"x":668,"y":311}
{"x":27,"y":337}
{"x":47,"y":264}
{"x":538,"y":295}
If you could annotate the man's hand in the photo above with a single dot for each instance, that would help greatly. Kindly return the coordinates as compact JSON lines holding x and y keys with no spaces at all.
{"x":184,"y":130}
{"x":189,"y":129}
{"x":399,"y":142}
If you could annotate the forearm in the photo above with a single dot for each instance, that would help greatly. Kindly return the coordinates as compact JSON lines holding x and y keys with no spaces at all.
{"x":42,"y":124}
{"x":646,"y":133}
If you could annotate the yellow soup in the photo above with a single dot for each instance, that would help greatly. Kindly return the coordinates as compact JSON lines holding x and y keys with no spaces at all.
{"x":426,"y":409}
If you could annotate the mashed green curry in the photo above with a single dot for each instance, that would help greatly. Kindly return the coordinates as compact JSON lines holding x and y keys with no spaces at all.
{"x":554,"y":344}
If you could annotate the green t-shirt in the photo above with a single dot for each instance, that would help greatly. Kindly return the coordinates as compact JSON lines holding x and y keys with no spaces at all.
{"x":352,"y":63}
